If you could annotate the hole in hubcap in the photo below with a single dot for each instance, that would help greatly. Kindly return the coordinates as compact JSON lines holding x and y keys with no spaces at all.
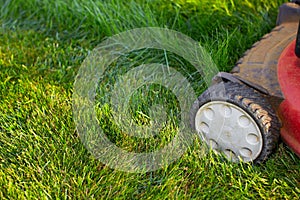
{"x":245,"y":152}
{"x":209,"y":113}
{"x":252,"y":138}
{"x":204,"y":128}
{"x":244,"y":121}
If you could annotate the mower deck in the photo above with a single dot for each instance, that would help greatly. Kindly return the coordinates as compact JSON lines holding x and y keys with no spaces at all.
{"x":258,"y":66}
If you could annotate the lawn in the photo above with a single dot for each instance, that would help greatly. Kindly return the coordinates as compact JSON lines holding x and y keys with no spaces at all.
{"x":42,"y":46}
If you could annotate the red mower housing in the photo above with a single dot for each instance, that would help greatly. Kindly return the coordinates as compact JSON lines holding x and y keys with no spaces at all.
{"x":289,"y":109}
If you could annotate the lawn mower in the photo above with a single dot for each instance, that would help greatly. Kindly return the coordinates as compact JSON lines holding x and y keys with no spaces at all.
{"x":243,"y":113}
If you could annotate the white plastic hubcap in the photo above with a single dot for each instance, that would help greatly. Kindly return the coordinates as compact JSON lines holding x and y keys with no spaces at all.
{"x":228,"y":128}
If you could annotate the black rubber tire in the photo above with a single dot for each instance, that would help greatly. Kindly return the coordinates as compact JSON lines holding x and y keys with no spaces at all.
{"x":251,"y":101}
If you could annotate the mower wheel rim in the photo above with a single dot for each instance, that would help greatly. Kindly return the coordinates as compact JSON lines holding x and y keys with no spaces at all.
{"x":229,"y":129}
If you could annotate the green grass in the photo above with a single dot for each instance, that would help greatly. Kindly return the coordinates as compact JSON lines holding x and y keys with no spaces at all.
{"x":42,"y":45}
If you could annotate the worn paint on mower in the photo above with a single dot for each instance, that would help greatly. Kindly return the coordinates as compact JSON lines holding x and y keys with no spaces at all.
{"x":245,"y":111}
